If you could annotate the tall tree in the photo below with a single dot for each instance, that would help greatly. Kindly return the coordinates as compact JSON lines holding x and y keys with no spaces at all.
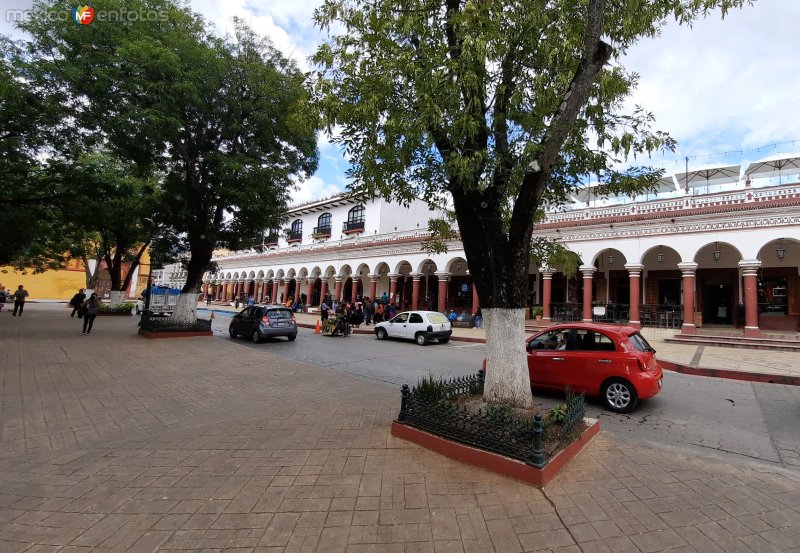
{"x":505,"y":105}
{"x":220,"y":118}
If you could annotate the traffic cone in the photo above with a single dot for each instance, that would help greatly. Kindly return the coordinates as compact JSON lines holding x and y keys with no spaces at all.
{"x":318,"y":328}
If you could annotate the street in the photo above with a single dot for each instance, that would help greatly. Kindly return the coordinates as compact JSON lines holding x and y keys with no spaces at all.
{"x":727,"y":417}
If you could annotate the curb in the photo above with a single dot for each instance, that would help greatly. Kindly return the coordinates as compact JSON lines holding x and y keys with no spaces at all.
{"x":453,"y":338}
{"x":731,"y":375}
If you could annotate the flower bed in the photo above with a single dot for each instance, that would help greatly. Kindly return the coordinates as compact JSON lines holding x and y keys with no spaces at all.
{"x":451,"y":418}
{"x":118,"y":309}
{"x":153,"y":326}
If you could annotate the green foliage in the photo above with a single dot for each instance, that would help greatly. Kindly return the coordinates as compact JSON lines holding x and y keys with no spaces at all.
{"x":431,"y":388}
{"x":557,"y":414}
{"x":537,"y":311}
{"x":499,"y":414}
{"x":119,"y":308}
{"x":218,"y":121}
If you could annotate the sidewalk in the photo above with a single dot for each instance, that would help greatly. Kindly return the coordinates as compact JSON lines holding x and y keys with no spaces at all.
{"x":112,"y":442}
{"x":739,"y":364}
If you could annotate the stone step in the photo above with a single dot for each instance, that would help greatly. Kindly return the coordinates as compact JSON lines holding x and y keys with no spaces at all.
{"x":775,"y":344}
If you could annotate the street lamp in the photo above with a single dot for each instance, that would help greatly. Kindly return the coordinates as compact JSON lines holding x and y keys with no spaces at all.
{"x":781,"y":251}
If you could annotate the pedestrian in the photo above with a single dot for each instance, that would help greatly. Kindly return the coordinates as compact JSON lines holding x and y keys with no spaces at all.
{"x":251,"y":301}
{"x":90,"y":309}
{"x":208,"y":300}
{"x":19,"y":300}
{"x":378,"y":312}
{"x":76,"y":301}
{"x":479,"y":319}
{"x":384,"y":298}
{"x":323,"y":310}
{"x":368,"y":308}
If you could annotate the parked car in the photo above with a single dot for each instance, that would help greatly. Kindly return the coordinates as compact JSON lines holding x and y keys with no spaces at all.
{"x":614,"y":363}
{"x":264,"y":321}
{"x":420,"y":326}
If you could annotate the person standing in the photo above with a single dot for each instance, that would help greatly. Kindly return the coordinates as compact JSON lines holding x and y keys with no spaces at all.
{"x":479,"y":319}
{"x":19,"y":300}
{"x":90,"y":309}
{"x":323,"y":310}
{"x":76,"y":301}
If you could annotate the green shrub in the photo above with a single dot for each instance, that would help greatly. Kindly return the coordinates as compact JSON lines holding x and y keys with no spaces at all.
{"x":557,"y":415}
{"x":499,"y":414}
{"x":119,"y":308}
{"x":431,"y":388}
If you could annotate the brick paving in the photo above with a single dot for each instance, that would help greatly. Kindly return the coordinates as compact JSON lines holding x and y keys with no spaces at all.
{"x":112,"y":442}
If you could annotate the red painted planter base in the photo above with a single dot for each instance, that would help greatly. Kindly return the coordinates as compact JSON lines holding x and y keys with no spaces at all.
{"x":498,"y":463}
{"x":148,"y":334}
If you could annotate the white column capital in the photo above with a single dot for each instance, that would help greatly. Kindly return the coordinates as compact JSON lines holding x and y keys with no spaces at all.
{"x":374,"y":278}
{"x":688,"y":268}
{"x":547,"y":272}
{"x":442,"y":276}
{"x":587,"y":270}
{"x":634,"y":269}
{"x":416,"y":277}
{"x":750,"y":267}
{"x":394,"y":276}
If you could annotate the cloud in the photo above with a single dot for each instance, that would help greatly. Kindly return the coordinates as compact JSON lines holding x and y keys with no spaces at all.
{"x":314,"y":188}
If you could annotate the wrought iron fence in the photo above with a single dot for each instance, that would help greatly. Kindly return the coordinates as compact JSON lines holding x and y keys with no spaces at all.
{"x":663,"y":316}
{"x":566,"y":312}
{"x":494,"y":429}
{"x":611,"y":313}
{"x":156,"y":323}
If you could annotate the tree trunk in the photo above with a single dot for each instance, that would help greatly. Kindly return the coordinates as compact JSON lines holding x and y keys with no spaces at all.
{"x":498,"y":265}
{"x":116,"y":297}
{"x":505,"y":340}
{"x":186,"y":307}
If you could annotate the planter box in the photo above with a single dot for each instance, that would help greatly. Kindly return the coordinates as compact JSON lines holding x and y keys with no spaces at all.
{"x":498,"y":463}
{"x":175,"y":333}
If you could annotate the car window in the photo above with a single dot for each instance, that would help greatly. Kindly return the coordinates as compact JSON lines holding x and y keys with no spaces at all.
{"x":640,"y":343}
{"x":415,"y":318}
{"x":247,"y":312}
{"x":594,"y":341}
{"x":279,"y":314}
{"x":437,"y":318}
{"x":401,"y":318}
{"x":552,"y":339}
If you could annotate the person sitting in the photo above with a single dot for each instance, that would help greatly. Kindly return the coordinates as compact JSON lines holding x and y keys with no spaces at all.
{"x":452,"y":316}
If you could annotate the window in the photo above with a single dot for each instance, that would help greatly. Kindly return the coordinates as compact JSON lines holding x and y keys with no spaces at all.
{"x":296,"y":233}
{"x":355,"y":219}
{"x":401,"y":318}
{"x":323,"y":227}
{"x":415,"y":318}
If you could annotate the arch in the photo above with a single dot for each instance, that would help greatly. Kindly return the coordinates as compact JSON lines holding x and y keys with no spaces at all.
{"x":260,"y":274}
{"x":291,"y":274}
{"x":251,"y":275}
{"x":345,"y":271}
{"x":279,"y":274}
{"x":228,"y":276}
{"x":355,"y":215}
{"x":403,"y":266}
{"x":236,"y":275}
{"x":456,"y":266}
{"x":382,"y":268}
{"x":270,"y":274}
{"x":324,"y":221}
{"x":768,"y":253}
{"x":362,"y":270}
{"x":316,"y":272}
{"x":660,"y":256}
{"x":426,"y":266}
{"x":297,"y":226}
{"x":610,"y":259}
{"x":302,"y":273}
{"x":729,"y":255}
{"x":330,"y":271}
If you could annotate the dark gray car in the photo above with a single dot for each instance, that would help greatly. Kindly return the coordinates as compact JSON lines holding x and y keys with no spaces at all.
{"x":259,"y":322}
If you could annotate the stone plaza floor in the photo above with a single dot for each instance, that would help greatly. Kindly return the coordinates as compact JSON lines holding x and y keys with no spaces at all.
{"x":113,"y":442}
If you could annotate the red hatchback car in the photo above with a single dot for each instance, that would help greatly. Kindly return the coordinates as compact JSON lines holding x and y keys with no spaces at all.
{"x":612,"y":362}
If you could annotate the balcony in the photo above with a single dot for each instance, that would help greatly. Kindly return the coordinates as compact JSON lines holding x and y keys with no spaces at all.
{"x":322,"y":232}
{"x":294,"y":237}
{"x":271,"y":241}
{"x":353,"y":227}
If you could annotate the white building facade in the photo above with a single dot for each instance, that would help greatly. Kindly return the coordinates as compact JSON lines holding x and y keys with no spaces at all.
{"x":686,"y":259}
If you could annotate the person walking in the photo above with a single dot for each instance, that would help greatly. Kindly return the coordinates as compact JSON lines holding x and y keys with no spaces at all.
{"x":90,"y":309}
{"x":76,"y":301}
{"x":19,"y":300}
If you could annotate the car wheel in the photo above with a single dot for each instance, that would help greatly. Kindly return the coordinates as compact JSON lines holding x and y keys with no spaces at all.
{"x":619,"y":396}
{"x":421,"y":339}
{"x":444,"y":340}
{"x":380,"y":333}
{"x":292,"y":338}
{"x":256,"y":337}
{"x":232,"y":332}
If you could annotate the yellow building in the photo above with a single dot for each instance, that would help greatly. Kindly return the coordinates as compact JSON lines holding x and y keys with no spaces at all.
{"x":59,"y":284}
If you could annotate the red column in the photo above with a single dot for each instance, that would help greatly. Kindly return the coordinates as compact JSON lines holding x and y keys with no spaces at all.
{"x":323,"y":290}
{"x":635,"y":275}
{"x":393,"y":287}
{"x":309,"y":289}
{"x":415,"y":278}
{"x":750,"y":285}
{"x":688,"y":270}
{"x":547,"y":293}
{"x":588,"y":275}
{"x":443,"y":278}
{"x":247,"y":290}
{"x":354,"y":289}
{"x":274,"y":297}
{"x":373,"y":286}
{"x":228,"y":291}
{"x":476,"y":302}
{"x":337,"y":290}
{"x":286,"y":283}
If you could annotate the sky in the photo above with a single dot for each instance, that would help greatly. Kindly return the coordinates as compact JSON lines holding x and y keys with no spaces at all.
{"x":725,"y":90}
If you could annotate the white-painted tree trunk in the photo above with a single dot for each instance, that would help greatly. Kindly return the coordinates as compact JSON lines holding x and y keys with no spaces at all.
{"x":116,"y":297}
{"x":507,"y":377}
{"x":185,"y":311}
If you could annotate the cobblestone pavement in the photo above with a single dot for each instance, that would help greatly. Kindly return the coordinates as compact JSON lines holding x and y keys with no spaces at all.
{"x":112,"y":442}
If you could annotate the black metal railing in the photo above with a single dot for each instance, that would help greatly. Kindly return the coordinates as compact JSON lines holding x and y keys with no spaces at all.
{"x":294,"y":235}
{"x":352,"y":225}
{"x":271,"y":240}
{"x":611,"y":313}
{"x":322,"y":232}
{"x":566,"y":312}
{"x":490,"y":429}
{"x":661,"y":316}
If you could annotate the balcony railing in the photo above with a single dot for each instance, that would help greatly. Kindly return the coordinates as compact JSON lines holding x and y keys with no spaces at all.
{"x":565,"y":312}
{"x":294,"y":236}
{"x":663,"y":316}
{"x":271,"y":240}
{"x":322,"y":232}
{"x":352,"y":226}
